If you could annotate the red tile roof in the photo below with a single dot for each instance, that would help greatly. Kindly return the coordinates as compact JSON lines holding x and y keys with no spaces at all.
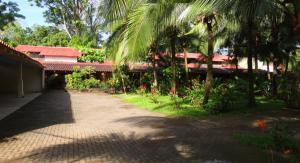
{"x":63,"y":66}
{"x":5,"y":49}
{"x":50,"y":51}
{"x":198,"y":57}
{"x":139,"y":67}
{"x":204,"y":66}
{"x":99,"y":67}
{"x":202,"y":57}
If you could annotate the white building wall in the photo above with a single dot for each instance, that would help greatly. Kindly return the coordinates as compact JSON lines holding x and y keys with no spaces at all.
{"x":60,"y":59}
{"x":243,"y":63}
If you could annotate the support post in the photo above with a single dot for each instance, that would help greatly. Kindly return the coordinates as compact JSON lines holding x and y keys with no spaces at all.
{"x":43,"y":78}
{"x":20,"y":82}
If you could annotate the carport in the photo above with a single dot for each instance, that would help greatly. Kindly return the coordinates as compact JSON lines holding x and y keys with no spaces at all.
{"x":20,"y":78}
{"x":19,"y":73}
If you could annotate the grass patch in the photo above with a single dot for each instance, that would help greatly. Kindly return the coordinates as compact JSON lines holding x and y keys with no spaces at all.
{"x":165,"y":105}
{"x":288,"y":147}
{"x":259,"y":141}
{"x":263,"y":104}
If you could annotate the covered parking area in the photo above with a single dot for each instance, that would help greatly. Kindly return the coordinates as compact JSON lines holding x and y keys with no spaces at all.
{"x":21,"y":79}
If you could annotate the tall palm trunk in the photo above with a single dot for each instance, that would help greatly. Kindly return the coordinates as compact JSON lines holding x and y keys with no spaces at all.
{"x":274,"y":79}
{"x":268,"y":69}
{"x":209,"y":74}
{"x":186,"y":66}
{"x":256,"y":55}
{"x":173,"y":61}
{"x":297,"y":18}
{"x":251,"y":98}
{"x":287,"y":60}
{"x":274,"y":34}
{"x":154,"y":70}
{"x":123,"y":84}
{"x":236,"y":61}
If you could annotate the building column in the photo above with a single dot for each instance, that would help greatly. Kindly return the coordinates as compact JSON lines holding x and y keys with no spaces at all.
{"x":20,"y":81}
{"x":103,"y":76}
{"x":140,"y":79}
{"x":43,"y":78}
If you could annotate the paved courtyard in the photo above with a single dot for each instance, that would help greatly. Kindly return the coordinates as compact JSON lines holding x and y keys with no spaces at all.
{"x":64,"y":126}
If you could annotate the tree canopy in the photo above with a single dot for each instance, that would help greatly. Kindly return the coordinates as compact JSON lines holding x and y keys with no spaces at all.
{"x":77,"y":17}
{"x":9,"y":11}
{"x":15,"y":35}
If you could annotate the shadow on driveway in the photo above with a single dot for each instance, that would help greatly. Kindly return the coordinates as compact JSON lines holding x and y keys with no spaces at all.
{"x":53,"y":107}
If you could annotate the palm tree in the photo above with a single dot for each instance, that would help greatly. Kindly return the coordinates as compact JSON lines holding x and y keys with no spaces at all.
{"x":247,"y":13}
{"x":137,"y":24}
{"x":212,"y":25}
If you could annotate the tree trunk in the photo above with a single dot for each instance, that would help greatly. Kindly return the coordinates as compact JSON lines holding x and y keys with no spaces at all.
{"x":268,"y":70}
{"x":287,"y":60}
{"x":251,"y":98}
{"x":123,"y":84}
{"x":274,"y":34}
{"x":274,"y":79}
{"x":294,"y":99}
{"x":297,"y":18}
{"x":186,"y":66}
{"x":140,"y":81}
{"x":173,"y":62}
{"x":154,"y":71}
{"x":209,"y":74}
{"x":236,"y":61}
{"x":256,"y":62}
{"x":255,"y":54}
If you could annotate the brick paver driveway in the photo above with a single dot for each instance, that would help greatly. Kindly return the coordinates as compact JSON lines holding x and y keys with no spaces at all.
{"x":93,"y":127}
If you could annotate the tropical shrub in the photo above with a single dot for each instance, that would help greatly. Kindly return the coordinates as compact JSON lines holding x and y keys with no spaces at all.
{"x":147,"y":80}
{"x":263,"y":87}
{"x":195,"y":94}
{"x":224,"y":95}
{"x":82,"y":79}
{"x":122,"y":80}
{"x":114,"y":84}
{"x":281,"y":136}
{"x":142,"y":90}
{"x":103,"y":86}
{"x":166,"y":78}
{"x":165,"y":81}
{"x":154,"y":96}
{"x":176,"y":102}
{"x":288,"y":89}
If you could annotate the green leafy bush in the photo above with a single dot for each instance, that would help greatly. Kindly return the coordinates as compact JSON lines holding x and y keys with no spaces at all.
{"x":120,"y":80}
{"x":176,"y":102}
{"x":223,"y":96}
{"x":154,"y":96}
{"x":114,"y":83}
{"x":92,"y":55}
{"x":82,"y":79}
{"x":195,"y":94}
{"x":103,"y":86}
{"x":141,"y":90}
{"x":278,"y":138}
{"x":282,"y":137}
{"x":263,"y":87}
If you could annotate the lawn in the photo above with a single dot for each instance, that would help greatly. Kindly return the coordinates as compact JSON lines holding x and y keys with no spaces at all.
{"x":167,"y":106}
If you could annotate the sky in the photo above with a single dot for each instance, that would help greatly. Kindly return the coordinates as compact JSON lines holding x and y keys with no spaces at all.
{"x":33,"y":14}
